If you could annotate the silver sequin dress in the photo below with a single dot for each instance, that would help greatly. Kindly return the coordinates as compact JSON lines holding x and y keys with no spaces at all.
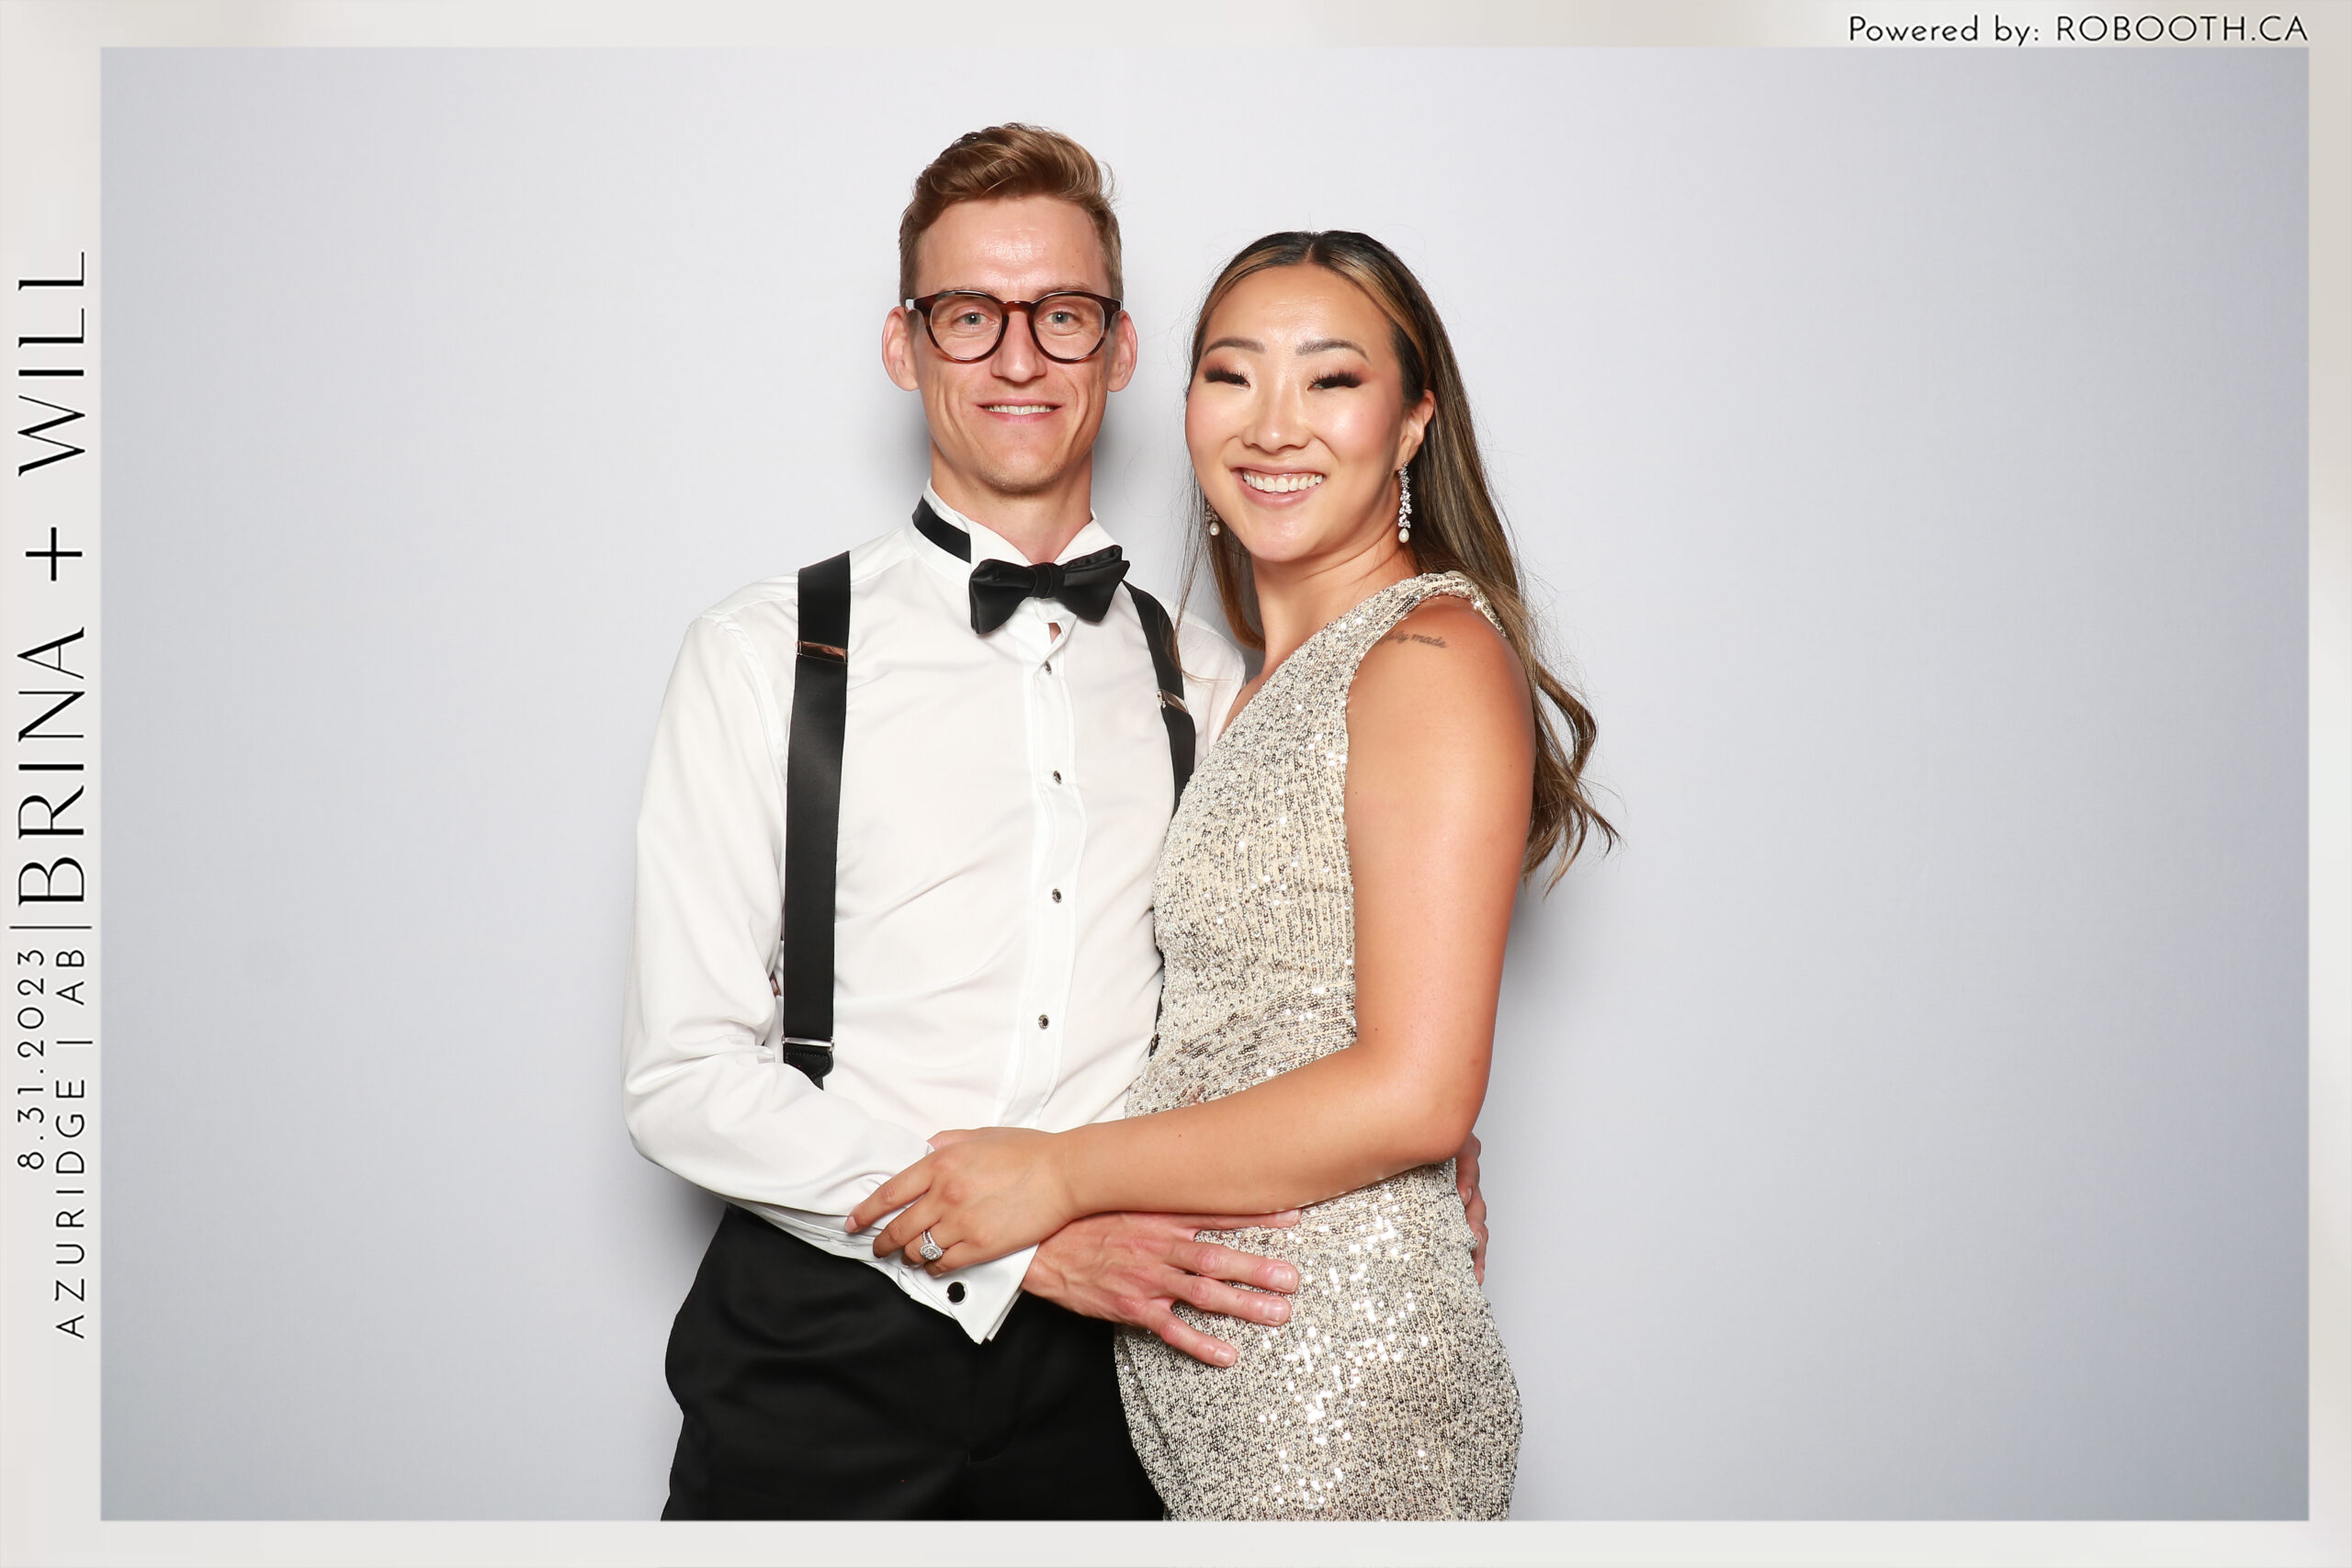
{"x":1387,"y":1395}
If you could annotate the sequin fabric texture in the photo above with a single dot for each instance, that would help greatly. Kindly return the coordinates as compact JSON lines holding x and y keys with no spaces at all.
{"x":1387,"y":1395}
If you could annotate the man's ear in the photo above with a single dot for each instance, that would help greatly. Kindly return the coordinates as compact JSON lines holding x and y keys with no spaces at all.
{"x":899,"y":349}
{"x":1125,"y":352}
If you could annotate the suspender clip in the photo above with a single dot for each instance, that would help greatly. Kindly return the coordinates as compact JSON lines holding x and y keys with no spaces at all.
{"x":813,"y":1057}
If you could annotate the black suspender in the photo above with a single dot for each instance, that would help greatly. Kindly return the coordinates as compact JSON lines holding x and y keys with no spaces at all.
{"x":812,"y":794}
{"x":812,"y":816}
{"x":1160,"y":634}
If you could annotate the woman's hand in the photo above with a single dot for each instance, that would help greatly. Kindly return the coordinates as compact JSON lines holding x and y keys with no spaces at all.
{"x":980,"y":1193}
{"x":1474,"y":1203}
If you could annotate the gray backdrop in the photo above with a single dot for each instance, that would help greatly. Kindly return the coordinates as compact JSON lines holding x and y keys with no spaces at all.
{"x":1908,"y":1121}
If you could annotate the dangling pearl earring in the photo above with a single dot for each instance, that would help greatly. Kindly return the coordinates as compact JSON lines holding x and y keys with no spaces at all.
{"x":1212,"y":523}
{"x":1404,"y":507}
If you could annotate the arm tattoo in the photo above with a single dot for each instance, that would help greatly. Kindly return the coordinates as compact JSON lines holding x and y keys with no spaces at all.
{"x":1415,"y":637}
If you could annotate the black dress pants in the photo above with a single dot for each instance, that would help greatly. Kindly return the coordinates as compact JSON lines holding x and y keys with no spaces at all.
{"x":813,"y":1388}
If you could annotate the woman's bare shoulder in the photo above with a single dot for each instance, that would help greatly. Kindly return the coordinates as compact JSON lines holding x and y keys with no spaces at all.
{"x":1445,"y":650}
{"x":1442,"y":678}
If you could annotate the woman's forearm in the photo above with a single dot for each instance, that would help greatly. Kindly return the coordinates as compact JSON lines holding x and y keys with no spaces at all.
{"x":1337,"y":1124}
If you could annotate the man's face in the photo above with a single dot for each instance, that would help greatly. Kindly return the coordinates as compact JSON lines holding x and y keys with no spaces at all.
{"x":1015,"y":423}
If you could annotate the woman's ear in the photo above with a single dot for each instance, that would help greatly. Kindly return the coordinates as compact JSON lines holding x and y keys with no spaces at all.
{"x":1416,"y":426}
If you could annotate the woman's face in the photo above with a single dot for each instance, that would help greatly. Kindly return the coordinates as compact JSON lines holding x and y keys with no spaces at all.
{"x":1296,"y":417}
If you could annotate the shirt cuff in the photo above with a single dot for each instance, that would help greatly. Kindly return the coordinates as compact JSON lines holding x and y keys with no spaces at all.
{"x":978,"y":1298}
{"x":989,"y":1290}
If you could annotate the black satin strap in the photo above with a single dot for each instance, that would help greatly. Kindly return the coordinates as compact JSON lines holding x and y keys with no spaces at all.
{"x":1159,"y":635}
{"x":941,"y":532}
{"x":812,"y":816}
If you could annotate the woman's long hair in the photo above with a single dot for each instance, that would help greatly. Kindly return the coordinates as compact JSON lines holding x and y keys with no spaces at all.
{"x":1457,"y":524}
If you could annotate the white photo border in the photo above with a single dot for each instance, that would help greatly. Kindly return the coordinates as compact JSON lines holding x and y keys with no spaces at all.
{"x":49,"y":1504}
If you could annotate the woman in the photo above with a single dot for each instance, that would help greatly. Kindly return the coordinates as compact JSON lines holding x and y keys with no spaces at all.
{"x":1339,"y":874}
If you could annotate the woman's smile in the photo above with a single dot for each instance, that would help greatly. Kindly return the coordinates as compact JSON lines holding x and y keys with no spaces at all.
{"x":1278,"y":487}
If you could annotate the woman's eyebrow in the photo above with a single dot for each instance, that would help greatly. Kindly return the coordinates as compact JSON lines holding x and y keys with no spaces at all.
{"x":1316,"y":345}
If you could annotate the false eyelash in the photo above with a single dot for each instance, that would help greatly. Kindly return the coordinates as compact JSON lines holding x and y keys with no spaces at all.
{"x":1233,"y":377}
{"x":1338,"y":379}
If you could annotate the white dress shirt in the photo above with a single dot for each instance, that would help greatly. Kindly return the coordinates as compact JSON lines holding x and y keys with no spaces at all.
{"x":1003,"y":802}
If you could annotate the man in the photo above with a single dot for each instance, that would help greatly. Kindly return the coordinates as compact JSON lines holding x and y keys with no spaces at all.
{"x":1011,"y":738}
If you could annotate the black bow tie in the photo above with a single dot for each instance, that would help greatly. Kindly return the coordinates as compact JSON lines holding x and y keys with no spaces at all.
{"x":998,"y":587}
{"x":1087,"y":585}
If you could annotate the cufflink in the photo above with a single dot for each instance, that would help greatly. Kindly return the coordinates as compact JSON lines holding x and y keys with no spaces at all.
{"x":956,"y":1291}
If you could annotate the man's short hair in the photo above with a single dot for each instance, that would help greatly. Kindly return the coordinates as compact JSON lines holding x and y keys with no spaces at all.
{"x":1003,"y":163}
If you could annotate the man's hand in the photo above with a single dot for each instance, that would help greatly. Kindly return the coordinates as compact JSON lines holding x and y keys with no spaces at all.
{"x":1134,"y":1268}
{"x":1474,"y":1203}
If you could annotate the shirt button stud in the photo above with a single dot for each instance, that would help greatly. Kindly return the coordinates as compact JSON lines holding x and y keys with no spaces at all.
{"x":956,"y":1291}
{"x":1057,"y":894}
{"x":1041,"y":1021}
{"x":1058,"y":777}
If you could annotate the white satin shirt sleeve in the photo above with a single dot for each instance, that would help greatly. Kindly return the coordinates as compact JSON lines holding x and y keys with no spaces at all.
{"x":705,"y":1094}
